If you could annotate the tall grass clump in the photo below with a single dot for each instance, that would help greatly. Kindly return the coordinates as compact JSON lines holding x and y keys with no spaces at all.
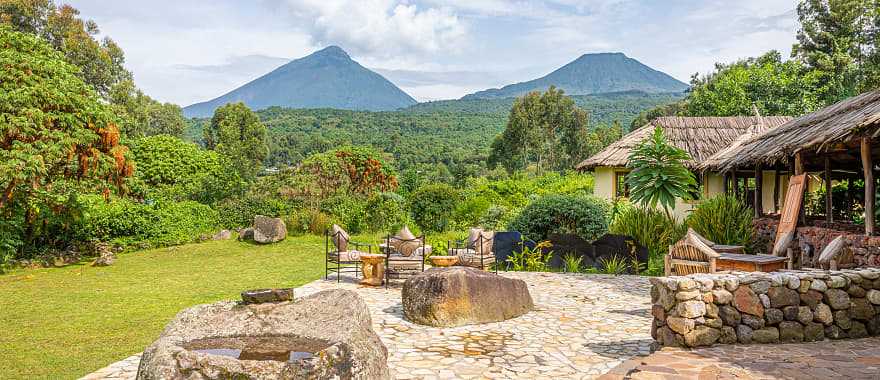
{"x":650,"y":227}
{"x":723,"y":219}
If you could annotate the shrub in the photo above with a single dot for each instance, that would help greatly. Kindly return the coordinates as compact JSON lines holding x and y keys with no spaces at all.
{"x":723,"y":219}
{"x":651,"y":228}
{"x":240,"y":212}
{"x":347,"y":211}
{"x":125,"y":222}
{"x":497,"y":217}
{"x":585,"y":216}
{"x":431,"y":206}
{"x":385,"y":212}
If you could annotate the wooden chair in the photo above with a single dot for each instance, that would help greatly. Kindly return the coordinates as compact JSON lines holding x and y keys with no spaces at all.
{"x":690,"y":255}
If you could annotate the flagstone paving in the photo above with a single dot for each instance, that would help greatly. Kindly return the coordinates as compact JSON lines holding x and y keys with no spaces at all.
{"x":583,"y":326}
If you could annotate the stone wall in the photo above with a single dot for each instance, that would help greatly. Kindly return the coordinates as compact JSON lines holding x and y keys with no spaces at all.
{"x":865,"y":249}
{"x":745,"y":308}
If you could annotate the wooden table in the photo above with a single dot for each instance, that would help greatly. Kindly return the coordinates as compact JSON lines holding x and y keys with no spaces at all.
{"x":373,"y":268}
{"x":443,"y":261}
{"x":750,"y":263}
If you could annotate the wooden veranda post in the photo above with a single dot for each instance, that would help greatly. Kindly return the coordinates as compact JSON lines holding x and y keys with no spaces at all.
{"x":868,"y":169}
{"x":829,"y":214}
{"x":733,"y":184}
{"x":759,"y":195}
{"x":776,"y":184}
{"x":725,"y":187}
{"x":798,"y":170}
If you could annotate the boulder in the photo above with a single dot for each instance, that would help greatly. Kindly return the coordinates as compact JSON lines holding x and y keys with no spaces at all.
{"x":834,"y":332}
{"x":728,"y":335}
{"x":773,"y":316}
{"x":858,"y":330}
{"x":327,"y":335}
{"x":746,"y":301}
{"x":837,"y":299}
{"x":873,"y":296}
{"x":860,"y":308}
{"x":782,"y":296}
{"x":814,"y":332}
{"x":702,"y":336}
{"x":456,"y":296}
{"x":691,"y":309}
{"x":811,"y":298}
{"x":106,"y":256}
{"x":856,"y":291}
{"x":804,"y":315}
{"x":723,"y":297}
{"x":756,"y":323}
{"x":269,"y":230}
{"x":790,"y":331}
{"x":246,"y":234}
{"x":766,"y":335}
{"x":680,"y":325}
{"x":842,"y":319}
{"x":744,"y":334}
{"x":729,"y":315}
{"x":823,"y":314}
{"x":222,"y":235}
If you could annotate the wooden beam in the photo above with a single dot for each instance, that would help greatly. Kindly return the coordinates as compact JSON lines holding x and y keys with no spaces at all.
{"x":868,"y":170}
{"x":829,"y":213}
{"x":776,"y":184}
{"x":759,"y":195}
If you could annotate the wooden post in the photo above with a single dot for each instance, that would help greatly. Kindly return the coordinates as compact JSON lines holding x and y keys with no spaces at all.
{"x":798,"y":170}
{"x":829,"y":213}
{"x":776,"y":184}
{"x":850,"y":197}
{"x":868,"y":169}
{"x":759,"y":195}
{"x":734,"y":184}
{"x":725,"y":187}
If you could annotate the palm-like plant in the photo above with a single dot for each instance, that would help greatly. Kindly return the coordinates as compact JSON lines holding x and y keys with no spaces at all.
{"x":658,"y":173}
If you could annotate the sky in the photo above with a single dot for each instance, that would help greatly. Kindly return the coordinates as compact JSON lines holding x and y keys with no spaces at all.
{"x":195,"y":50}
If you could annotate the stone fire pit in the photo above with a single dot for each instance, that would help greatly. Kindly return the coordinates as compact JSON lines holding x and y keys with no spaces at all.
{"x":456,"y":296}
{"x":322,"y":336}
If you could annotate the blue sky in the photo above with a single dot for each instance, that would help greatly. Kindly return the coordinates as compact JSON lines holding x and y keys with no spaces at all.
{"x":190,"y":51}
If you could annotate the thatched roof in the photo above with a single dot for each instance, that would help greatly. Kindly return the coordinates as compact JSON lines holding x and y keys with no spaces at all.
{"x":819,"y":131}
{"x":701,"y":137}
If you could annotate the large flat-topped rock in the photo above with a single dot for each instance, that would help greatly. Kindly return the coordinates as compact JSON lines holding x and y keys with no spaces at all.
{"x":456,"y":296}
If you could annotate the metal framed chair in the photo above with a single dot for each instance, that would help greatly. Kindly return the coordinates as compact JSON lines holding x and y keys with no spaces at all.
{"x":404,"y":257}
{"x":477,"y":251}
{"x":338,"y":257}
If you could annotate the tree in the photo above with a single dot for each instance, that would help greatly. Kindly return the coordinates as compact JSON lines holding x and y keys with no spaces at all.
{"x":100,"y":62}
{"x":773,"y":86}
{"x":56,"y":139}
{"x":538,"y":126}
{"x":658,"y":173}
{"x":236,"y":132}
{"x":837,"y":41}
{"x":142,"y":116}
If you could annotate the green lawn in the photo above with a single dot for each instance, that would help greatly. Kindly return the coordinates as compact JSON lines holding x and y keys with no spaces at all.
{"x":67,"y":322}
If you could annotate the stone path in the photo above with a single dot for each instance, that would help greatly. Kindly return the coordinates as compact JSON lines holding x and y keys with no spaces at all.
{"x":842,"y":359}
{"x":584,"y":326}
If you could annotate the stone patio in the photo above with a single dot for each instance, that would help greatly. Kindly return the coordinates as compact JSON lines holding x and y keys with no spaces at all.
{"x":583,"y":326}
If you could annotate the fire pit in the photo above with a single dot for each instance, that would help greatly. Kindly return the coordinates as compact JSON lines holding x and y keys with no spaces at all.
{"x":323,"y":336}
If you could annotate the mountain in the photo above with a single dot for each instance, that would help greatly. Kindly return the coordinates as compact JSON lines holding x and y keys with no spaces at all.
{"x":328,"y":78}
{"x":593,"y":74}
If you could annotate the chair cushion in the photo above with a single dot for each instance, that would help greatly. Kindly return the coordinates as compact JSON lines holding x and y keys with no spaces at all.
{"x":352,"y":255}
{"x":403,"y":241}
{"x":476,"y":260}
{"x":462,"y":252}
{"x":473,"y":235}
{"x":340,"y":238}
{"x":398,"y":262}
{"x":485,"y":241}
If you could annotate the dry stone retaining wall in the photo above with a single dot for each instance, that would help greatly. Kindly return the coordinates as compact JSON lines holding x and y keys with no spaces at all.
{"x":746,"y":308}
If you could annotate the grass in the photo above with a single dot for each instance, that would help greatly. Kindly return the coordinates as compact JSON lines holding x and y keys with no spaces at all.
{"x":70,"y":321}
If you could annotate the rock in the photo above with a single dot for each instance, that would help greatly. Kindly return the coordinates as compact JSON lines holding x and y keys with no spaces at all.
{"x":246,"y":234}
{"x":106,"y":256}
{"x":658,"y":312}
{"x":766,"y":335}
{"x":702,"y":336}
{"x":760,"y":287}
{"x":805,"y":286}
{"x":837,"y":299}
{"x":731,"y":284}
{"x":834,"y":332}
{"x":269,"y":230}
{"x":661,"y":295}
{"x":861,"y":309}
{"x":873,"y":296}
{"x":267,"y":295}
{"x":744,"y":334}
{"x":793,"y":283}
{"x":756,"y":323}
{"x":222,"y":235}
{"x":873,"y":325}
{"x":708,"y":298}
{"x":823,"y":314}
{"x":765,"y":301}
{"x":728,"y":335}
{"x":714,"y":323}
{"x":773,"y":316}
{"x":781,"y":296}
{"x":819,"y":286}
{"x":746,"y":301}
{"x":856,"y":291}
{"x":666,"y":336}
{"x":814,"y":332}
{"x":711,"y":310}
{"x":790,"y":331}
{"x":691,"y":309}
{"x":836,"y":282}
{"x":858,"y":330}
{"x":811,"y":298}
{"x":790,"y":313}
{"x":804,"y":315}
{"x":687,"y":295}
{"x":685,"y":283}
{"x":723,"y":297}
{"x":729,"y":315}
{"x":456,"y":296}
{"x":334,"y":325}
{"x":680,"y":325}
{"x":842,"y":319}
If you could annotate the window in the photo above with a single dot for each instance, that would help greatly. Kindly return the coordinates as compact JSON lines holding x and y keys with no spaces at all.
{"x":621,"y":188}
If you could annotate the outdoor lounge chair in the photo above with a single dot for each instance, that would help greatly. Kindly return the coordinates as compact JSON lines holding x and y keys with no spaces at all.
{"x":834,"y":256}
{"x":342,"y":255}
{"x":476,"y":251}
{"x":690,"y":255}
{"x":405,"y":255}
